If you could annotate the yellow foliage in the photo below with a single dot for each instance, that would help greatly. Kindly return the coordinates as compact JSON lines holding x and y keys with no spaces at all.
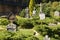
{"x":54,"y":5}
{"x":51,"y":13}
{"x":31,"y":5}
{"x":18,"y":17}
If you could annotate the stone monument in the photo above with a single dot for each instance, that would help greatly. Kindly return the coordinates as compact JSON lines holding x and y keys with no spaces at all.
{"x":27,"y":12}
{"x":41,"y":14}
{"x":11,"y":27}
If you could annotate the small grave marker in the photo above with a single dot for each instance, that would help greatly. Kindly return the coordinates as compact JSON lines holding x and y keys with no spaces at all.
{"x":27,"y":12}
{"x":42,"y":16}
{"x":46,"y":37}
{"x":56,"y":13}
{"x":11,"y":27}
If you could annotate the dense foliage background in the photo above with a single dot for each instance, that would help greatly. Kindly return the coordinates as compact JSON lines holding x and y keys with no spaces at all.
{"x":26,"y":26}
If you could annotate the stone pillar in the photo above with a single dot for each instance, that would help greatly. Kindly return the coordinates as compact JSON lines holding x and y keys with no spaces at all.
{"x":27,"y":12}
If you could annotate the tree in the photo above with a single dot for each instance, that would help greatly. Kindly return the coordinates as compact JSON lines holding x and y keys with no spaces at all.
{"x":31,"y":6}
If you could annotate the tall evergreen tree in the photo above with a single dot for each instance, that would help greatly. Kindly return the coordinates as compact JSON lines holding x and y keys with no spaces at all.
{"x":31,"y":6}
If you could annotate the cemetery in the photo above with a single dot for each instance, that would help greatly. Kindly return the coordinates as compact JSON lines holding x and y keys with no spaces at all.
{"x":36,"y":20}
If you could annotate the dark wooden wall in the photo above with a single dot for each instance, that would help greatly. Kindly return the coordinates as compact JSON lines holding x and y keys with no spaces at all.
{"x":13,"y":6}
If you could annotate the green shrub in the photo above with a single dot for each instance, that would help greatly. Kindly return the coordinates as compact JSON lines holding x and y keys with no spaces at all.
{"x":47,"y":8}
{"x":53,"y":39}
{"x":22,"y":13}
{"x":32,"y":38}
{"x":50,"y":20}
{"x":54,"y":6}
{"x":24,"y":23}
{"x":5,"y":35}
{"x":57,"y":19}
{"x":3,"y":21}
{"x":52,"y":31}
{"x":46,"y":21}
{"x":41,"y":29}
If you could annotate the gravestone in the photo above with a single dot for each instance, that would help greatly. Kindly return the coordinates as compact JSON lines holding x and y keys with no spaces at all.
{"x":46,"y":37}
{"x":34,"y":12}
{"x":56,"y":13}
{"x":52,"y":24}
{"x":11,"y":27}
{"x":42,"y":16}
{"x":27,"y":12}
